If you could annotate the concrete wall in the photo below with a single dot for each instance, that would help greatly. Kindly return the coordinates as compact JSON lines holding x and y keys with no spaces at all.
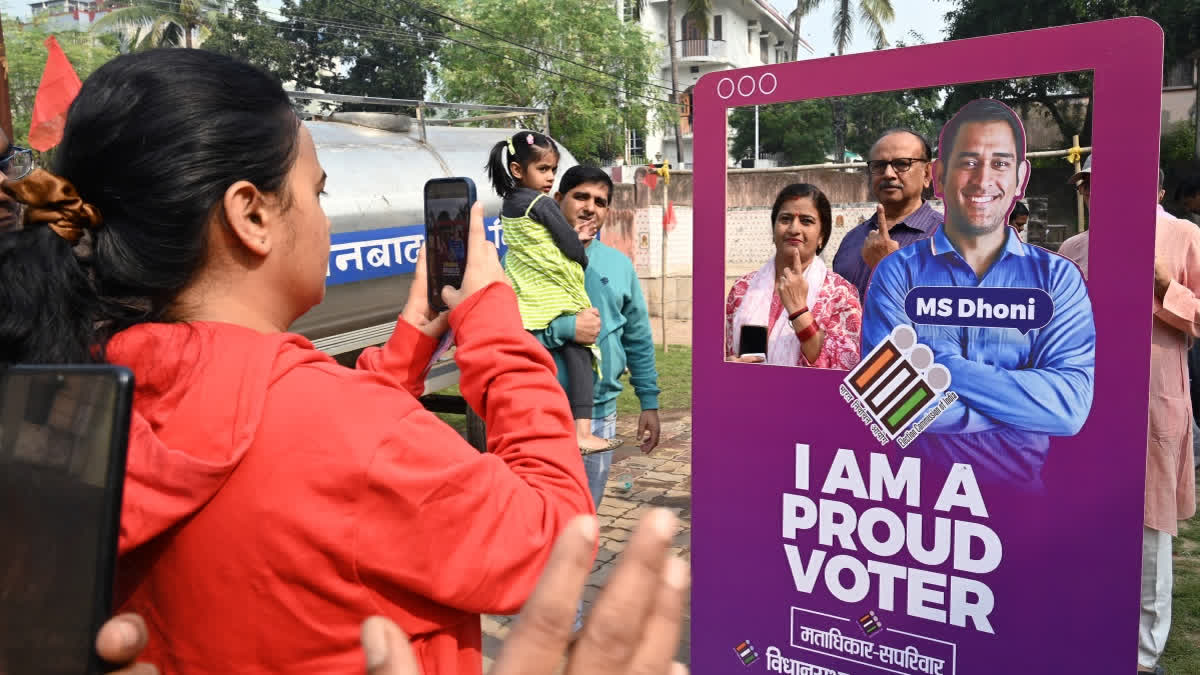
{"x":1177,"y":105}
{"x":744,"y":188}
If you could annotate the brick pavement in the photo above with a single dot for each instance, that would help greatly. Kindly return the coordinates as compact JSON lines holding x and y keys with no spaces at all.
{"x":663,"y":478}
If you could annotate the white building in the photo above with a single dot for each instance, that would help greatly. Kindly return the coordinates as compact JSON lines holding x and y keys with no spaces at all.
{"x":741,"y":33}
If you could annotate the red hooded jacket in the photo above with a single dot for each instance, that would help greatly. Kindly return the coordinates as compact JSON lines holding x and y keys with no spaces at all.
{"x":274,"y":499}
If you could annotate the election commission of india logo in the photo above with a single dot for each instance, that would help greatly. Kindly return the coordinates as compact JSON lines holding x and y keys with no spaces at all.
{"x":895,"y":384}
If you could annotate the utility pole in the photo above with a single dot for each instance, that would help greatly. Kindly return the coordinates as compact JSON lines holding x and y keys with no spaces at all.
{"x":5,"y":102}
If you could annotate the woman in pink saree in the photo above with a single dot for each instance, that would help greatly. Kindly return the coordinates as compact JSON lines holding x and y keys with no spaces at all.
{"x":812,"y":316}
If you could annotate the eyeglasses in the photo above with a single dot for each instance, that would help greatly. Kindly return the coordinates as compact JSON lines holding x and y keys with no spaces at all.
{"x":17,"y":163}
{"x":900,"y":164}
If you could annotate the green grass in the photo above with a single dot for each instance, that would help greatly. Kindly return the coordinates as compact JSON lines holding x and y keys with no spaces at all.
{"x":674,"y":378}
{"x":1183,"y":646}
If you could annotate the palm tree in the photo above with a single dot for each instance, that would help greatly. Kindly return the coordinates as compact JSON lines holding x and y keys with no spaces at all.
{"x":164,"y":23}
{"x":873,"y":14}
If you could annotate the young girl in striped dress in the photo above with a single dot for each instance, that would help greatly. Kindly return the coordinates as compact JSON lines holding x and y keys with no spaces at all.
{"x":545,"y":262}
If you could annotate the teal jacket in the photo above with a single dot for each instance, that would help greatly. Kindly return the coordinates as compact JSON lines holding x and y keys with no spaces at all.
{"x":625,"y":338}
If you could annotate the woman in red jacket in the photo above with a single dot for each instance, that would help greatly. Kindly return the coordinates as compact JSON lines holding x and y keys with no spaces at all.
{"x":274,"y":498}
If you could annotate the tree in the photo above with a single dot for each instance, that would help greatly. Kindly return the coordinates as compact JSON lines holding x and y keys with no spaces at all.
{"x":589,"y":111}
{"x":1178,"y":144}
{"x":247,"y":34}
{"x":164,"y":23}
{"x":874,"y":14}
{"x":974,"y":18}
{"x":802,"y":132}
{"x":870,"y":115}
{"x":366,"y":48}
{"x":27,"y":59}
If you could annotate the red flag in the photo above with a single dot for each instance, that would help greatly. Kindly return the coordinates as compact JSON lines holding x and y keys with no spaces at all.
{"x":650,"y":179}
{"x":669,"y":217}
{"x":59,"y":87}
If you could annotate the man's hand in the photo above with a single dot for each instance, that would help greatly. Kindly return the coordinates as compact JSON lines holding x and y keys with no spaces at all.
{"x":1162,"y":278}
{"x":121,"y":639}
{"x":649,"y":430}
{"x":634,"y":627}
{"x":879,"y":241}
{"x":587,"y":326}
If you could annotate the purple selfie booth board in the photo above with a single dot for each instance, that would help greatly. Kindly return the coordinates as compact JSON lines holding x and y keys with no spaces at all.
{"x":1043,"y":583}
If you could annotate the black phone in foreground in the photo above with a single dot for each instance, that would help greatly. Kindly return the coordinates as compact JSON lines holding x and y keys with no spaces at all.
{"x":64,"y":434}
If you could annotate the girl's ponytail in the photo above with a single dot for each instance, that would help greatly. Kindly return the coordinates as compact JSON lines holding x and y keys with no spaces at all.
{"x":497,"y":170}
{"x":523,"y":148}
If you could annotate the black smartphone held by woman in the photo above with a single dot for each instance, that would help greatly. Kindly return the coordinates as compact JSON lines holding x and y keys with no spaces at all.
{"x":64,"y":432}
{"x":447,"y":224}
{"x":753,"y":341}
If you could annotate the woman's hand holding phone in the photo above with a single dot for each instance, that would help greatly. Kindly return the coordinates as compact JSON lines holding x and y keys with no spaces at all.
{"x":483,"y":263}
{"x":417,"y":310}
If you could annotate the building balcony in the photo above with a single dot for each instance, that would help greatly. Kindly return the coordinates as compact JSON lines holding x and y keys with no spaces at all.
{"x":699,"y":53}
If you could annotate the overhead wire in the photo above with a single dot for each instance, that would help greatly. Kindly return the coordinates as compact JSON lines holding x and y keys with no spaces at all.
{"x":523,"y":63}
{"x":422,"y":35}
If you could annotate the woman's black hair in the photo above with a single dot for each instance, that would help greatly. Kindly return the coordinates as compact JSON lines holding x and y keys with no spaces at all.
{"x":824,"y":210}
{"x":153,"y":140}
{"x":524,"y":148}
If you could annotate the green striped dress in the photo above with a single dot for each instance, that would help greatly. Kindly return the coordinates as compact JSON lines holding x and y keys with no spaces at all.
{"x":547,"y":283}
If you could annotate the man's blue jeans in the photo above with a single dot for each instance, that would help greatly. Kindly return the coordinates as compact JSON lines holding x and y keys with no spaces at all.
{"x":597,"y":466}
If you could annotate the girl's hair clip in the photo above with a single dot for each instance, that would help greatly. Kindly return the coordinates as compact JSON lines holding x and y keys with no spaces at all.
{"x":529,"y":139}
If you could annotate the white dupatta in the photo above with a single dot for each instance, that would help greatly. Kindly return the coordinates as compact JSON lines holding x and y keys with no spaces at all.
{"x":783,"y":347}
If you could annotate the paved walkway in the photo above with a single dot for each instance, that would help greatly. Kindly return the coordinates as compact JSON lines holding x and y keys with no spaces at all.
{"x":664,"y":478}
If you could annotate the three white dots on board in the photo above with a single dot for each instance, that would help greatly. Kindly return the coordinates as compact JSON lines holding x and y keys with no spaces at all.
{"x":747,"y":85}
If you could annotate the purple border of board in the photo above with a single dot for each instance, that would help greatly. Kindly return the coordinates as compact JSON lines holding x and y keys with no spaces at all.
{"x":1125,"y":56}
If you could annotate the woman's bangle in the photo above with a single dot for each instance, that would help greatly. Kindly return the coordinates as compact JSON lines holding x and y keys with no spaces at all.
{"x":797,"y":314}
{"x":807,"y":333}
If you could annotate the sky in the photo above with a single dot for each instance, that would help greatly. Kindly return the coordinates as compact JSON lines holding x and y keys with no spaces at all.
{"x":926,"y":17}
{"x":923,"y":16}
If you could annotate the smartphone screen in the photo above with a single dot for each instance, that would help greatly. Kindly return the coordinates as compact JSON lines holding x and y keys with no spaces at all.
{"x":63,"y":438}
{"x":753,"y":341}
{"x":447,"y":218}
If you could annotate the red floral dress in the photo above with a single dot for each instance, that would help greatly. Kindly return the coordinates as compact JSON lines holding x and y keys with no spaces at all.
{"x":837,"y":311}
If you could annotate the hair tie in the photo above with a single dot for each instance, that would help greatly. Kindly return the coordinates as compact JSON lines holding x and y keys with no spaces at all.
{"x":512,"y":149}
{"x":52,"y":201}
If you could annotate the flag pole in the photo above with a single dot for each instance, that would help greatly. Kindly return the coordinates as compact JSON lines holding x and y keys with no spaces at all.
{"x":666,"y":205}
{"x":5,"y":102}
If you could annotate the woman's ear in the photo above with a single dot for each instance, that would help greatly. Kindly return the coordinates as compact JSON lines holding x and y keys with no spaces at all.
{"x":247,"y":217}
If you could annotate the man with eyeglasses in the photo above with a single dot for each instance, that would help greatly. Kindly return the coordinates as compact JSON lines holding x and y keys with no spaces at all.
{"x":898,"y":169}
{"x":1015,"y":389}
{"x":15,"y":164}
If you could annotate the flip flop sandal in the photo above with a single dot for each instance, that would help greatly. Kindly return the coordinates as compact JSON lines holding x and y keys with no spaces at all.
{"x":613,"y":444}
